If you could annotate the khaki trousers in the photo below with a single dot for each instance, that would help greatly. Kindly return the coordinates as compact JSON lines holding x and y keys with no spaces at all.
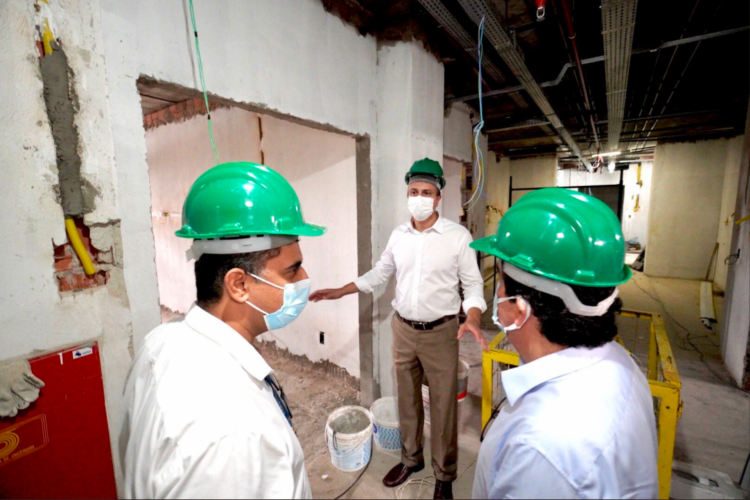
{"x":433,"y":355}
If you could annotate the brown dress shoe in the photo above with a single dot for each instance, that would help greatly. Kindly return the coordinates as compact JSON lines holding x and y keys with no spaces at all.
{"x":400,"y":473}
{"x":443,"y":489}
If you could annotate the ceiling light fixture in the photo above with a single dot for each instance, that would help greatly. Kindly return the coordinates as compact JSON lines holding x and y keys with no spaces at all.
{"x":612,"y":153}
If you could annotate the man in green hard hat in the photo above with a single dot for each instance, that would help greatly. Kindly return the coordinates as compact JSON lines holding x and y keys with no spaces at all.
{"x":579,"y":418}
{"x":430,"y":256}
{"x":205,"y":416}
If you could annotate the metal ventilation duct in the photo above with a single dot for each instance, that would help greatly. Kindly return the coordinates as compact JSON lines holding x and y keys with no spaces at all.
{"x":618,"y":23}
{"x":469,"y":43}
{"x":504,"y":46}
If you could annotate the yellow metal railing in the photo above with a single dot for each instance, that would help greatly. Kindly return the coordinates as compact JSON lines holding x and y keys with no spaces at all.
{"x":662,"y":378}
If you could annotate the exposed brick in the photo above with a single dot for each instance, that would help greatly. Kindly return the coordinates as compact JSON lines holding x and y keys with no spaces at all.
{"x":63,"y":264}
{"x":80,"y":281}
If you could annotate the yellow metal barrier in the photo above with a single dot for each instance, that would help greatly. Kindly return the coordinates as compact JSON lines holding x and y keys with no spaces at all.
{"x":662,"y":378}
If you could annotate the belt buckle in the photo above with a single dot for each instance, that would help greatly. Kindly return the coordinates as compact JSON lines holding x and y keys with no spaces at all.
{"x":420,"y":325}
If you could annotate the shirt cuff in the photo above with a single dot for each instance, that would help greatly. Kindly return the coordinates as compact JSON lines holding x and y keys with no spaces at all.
{"x":470,"y":302}
{"x":363,"y":285}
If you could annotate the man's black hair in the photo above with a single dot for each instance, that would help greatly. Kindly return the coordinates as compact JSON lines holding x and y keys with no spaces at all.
{"x":211,"y":269}
{"x":563,"y":327}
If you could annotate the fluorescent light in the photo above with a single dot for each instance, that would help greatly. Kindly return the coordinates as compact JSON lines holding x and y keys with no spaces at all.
{"x":613,"y":153}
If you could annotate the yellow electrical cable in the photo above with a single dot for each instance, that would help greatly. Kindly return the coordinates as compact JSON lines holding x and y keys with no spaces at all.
{"x":47,"y":38}
{"x":75,"y":241}
{"x":740,"y":221}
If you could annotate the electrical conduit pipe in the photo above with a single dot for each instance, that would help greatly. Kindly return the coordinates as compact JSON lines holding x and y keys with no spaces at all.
{"x":77,"y":244}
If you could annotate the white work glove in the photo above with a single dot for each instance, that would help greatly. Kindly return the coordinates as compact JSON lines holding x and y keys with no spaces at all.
{"x":18,"y":387}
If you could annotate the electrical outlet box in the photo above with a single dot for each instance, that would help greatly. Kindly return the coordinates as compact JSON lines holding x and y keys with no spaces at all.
{"x":322,"y":338}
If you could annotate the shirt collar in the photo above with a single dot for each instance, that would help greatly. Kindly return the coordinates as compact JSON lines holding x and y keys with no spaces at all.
{"x":226,"y":337}
{"x":518,"y":381}
{"x":437,"y":227}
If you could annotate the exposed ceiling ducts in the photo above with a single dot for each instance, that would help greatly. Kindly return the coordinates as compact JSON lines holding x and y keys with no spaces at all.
{"x":618,"y":25}
{"x":476,"y":9}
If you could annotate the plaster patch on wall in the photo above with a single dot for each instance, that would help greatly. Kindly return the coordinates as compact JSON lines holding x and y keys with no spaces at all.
{"x":62,"y":105}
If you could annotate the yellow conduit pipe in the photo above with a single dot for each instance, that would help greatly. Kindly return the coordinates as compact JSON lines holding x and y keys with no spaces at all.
{"x":75,"y":241}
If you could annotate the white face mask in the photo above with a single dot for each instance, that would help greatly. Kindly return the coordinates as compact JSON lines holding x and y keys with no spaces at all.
{"x":421,"y":208}
{"x":512,"y":326}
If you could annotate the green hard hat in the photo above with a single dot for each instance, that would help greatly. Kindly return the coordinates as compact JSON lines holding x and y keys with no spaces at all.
{"x":562,"y":235}
{"x":426,"y":167}
{"x":243,"y":199}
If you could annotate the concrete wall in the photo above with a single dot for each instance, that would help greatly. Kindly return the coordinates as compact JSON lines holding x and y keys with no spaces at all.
{"x":35,"y":316}
{"x":688,"y":180}
{"x":452,"y":206}
{"x":457,"y":133}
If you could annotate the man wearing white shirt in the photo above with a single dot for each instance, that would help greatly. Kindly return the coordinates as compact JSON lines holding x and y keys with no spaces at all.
{"x":430,"y":256}
{"x":205,"y":416}
{"x":579,"y":417}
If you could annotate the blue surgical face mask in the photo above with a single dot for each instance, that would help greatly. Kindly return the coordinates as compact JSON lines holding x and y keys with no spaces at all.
{"x":496,"y":319}
{"x":295,"y":300}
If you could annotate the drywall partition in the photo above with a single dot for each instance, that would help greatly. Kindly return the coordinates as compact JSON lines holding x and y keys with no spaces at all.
{"x":688,"y":180}
{"x":322,"y":169}
{"x":727,"y":214}
{"x":36,"y":316}
{"x":409,"y":128}
{"x":178,"y":153}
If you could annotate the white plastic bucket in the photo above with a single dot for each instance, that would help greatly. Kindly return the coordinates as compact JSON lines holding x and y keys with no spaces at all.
{"x":350,"y":451}
{"x":462,"y":388}
{"x":385,"y":423}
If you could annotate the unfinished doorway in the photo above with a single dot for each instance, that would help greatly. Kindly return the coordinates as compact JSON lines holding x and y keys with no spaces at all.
{"x":320,"y":165}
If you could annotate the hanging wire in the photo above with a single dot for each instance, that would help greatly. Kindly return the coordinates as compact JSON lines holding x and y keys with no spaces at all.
{"x":203,"y":83}
{"x":478,"y":158}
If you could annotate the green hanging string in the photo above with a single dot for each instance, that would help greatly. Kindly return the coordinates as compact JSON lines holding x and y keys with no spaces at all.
{"x":203,"y":83}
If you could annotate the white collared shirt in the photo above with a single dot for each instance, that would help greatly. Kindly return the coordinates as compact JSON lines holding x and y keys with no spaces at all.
{"x":577,"y":424}
{"x":201,"y":421}
{"x":428,"y":267}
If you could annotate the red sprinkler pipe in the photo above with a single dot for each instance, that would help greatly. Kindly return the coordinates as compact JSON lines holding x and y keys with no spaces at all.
{"x":584,"y":89}
{"x":540,"y":8}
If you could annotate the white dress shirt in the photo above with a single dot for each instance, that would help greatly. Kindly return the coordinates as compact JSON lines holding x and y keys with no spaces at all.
{"x":577,"y":424}
{"x":201,"y":421}
{"x":428,"y":267}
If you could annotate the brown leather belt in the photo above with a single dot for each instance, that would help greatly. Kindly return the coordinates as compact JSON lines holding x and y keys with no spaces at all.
{"x":425,"y":325}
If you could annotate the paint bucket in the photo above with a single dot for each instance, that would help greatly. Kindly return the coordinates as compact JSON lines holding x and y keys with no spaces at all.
{"x":385,"y":424}
{"x":349,"y":437}
{"x":461,"y":390}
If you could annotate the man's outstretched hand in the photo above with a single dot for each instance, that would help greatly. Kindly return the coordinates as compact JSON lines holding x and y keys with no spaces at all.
{"x":326,"y":294}
{"x":472,"y":325}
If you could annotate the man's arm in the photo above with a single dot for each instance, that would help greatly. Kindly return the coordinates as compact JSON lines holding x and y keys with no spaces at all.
{"x":473,"y":284}
{"x":380,"y":274}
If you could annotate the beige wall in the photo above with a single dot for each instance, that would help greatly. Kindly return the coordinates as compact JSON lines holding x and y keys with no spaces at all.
{"x":686,"y":202}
